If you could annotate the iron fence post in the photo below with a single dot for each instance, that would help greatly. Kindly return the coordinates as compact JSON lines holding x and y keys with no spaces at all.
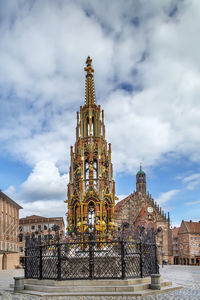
{"x":58,"y":262}
{"x":123,"y":259}
{"x":40,"y":263}
{"x":25,"y":263}
{"x":91,"y":259}
{"x":141,"y":259}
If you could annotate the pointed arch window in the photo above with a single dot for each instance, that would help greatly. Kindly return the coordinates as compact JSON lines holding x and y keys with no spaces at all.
{"x":76,"y":215}
{"x":91,"y":216}
{"x":95,"y":169}
{"x":86,"y":170}
{"x":93,"y":126}
{"x":107,"y":215}
{"x":87,"y":126}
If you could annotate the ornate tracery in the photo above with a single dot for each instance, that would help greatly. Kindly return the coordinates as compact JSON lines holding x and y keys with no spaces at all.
{"x":91,"y":188}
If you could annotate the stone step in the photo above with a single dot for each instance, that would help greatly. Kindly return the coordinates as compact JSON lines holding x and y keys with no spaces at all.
{"x":92,"y":288}
{"x":94,"y":282}
{"x":55,"y":289}
{"x":102,"y":293}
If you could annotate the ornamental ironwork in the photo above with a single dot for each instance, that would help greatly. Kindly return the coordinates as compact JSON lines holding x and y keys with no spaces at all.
{"x":130,"y":255}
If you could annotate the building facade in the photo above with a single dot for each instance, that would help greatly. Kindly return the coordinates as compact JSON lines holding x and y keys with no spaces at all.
{"x":175,"y":231}
{"x":189,"y":243}
{"x":91,"y":188}
{"x":38,"y":226}
{"x":140,"y":209}
{"x":9,"y":244}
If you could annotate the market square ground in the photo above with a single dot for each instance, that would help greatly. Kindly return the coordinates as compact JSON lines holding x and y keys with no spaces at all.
{"x":187,"y":276}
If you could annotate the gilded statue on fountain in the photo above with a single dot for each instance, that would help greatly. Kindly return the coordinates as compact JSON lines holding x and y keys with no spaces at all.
{"x":91,"y":188}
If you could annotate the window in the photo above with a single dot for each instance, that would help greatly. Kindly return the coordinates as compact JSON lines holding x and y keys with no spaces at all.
{"x":192,"y":244}
{"x":20,"y":228}
{"x":26,"y":228}
{"x":191,"y":238}
{"x":39,"y":227}
{"x":32,"y":227}
{"x":195,"y":238}
{"x":21,"y":249}
{"x":51,"y":226}
{"x":192,"y":252}
{"x":20,"y":237}
{"x":45,"y":226}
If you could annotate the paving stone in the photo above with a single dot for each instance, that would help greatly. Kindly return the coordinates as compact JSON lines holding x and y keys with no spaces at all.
{"x":187,"y":276}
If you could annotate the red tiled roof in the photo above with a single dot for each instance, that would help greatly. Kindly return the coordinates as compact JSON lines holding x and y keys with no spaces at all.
{"x":121,"y":203}
{"x":142,"y":211}
{"x":34,"y":217}
{"x":175,"y":232}
{"x":193,"y":227}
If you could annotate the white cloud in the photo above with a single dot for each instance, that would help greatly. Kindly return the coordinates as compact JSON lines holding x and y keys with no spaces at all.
{"x":43,"y":193}
{"x":43,"y":208}
{"x":193,"y":202}
{"x":44,"y":182}
{"x":10,"y":191}
{"x":138,"y":45}
{"x":192,"y":181}
{"x":165,"y":197}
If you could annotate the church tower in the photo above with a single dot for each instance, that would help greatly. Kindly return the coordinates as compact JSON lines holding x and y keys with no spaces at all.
{"x":141,"y":181}
{"x":91,"y":188}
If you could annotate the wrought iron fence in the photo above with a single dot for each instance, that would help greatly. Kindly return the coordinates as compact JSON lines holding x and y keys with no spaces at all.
{"x":90,"y":259}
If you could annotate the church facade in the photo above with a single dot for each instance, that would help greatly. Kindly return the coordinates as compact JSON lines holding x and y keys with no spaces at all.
{"x":140,"y":209}
{"x":91,"y":188}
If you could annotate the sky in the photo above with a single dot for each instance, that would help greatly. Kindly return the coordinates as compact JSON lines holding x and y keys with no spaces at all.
{"x":147,"y":79}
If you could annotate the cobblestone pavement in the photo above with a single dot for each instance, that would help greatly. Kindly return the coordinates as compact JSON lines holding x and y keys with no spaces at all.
{"x":187,"y":276}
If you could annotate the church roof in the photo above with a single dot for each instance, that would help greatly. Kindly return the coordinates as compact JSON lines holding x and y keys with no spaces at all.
{"x":121,"y":203}
{"x":142,"y":211}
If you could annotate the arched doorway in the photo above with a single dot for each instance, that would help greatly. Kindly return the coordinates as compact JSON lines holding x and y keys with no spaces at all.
{"x":4,"y":262}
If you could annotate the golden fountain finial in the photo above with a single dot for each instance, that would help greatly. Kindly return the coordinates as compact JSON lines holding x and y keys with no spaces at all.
{"x":140,"y":166}
{"x":89,"y":69}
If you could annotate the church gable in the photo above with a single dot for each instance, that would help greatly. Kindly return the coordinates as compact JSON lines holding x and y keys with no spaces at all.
{"x":147,"y":217}
{"x":139,"y":205}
